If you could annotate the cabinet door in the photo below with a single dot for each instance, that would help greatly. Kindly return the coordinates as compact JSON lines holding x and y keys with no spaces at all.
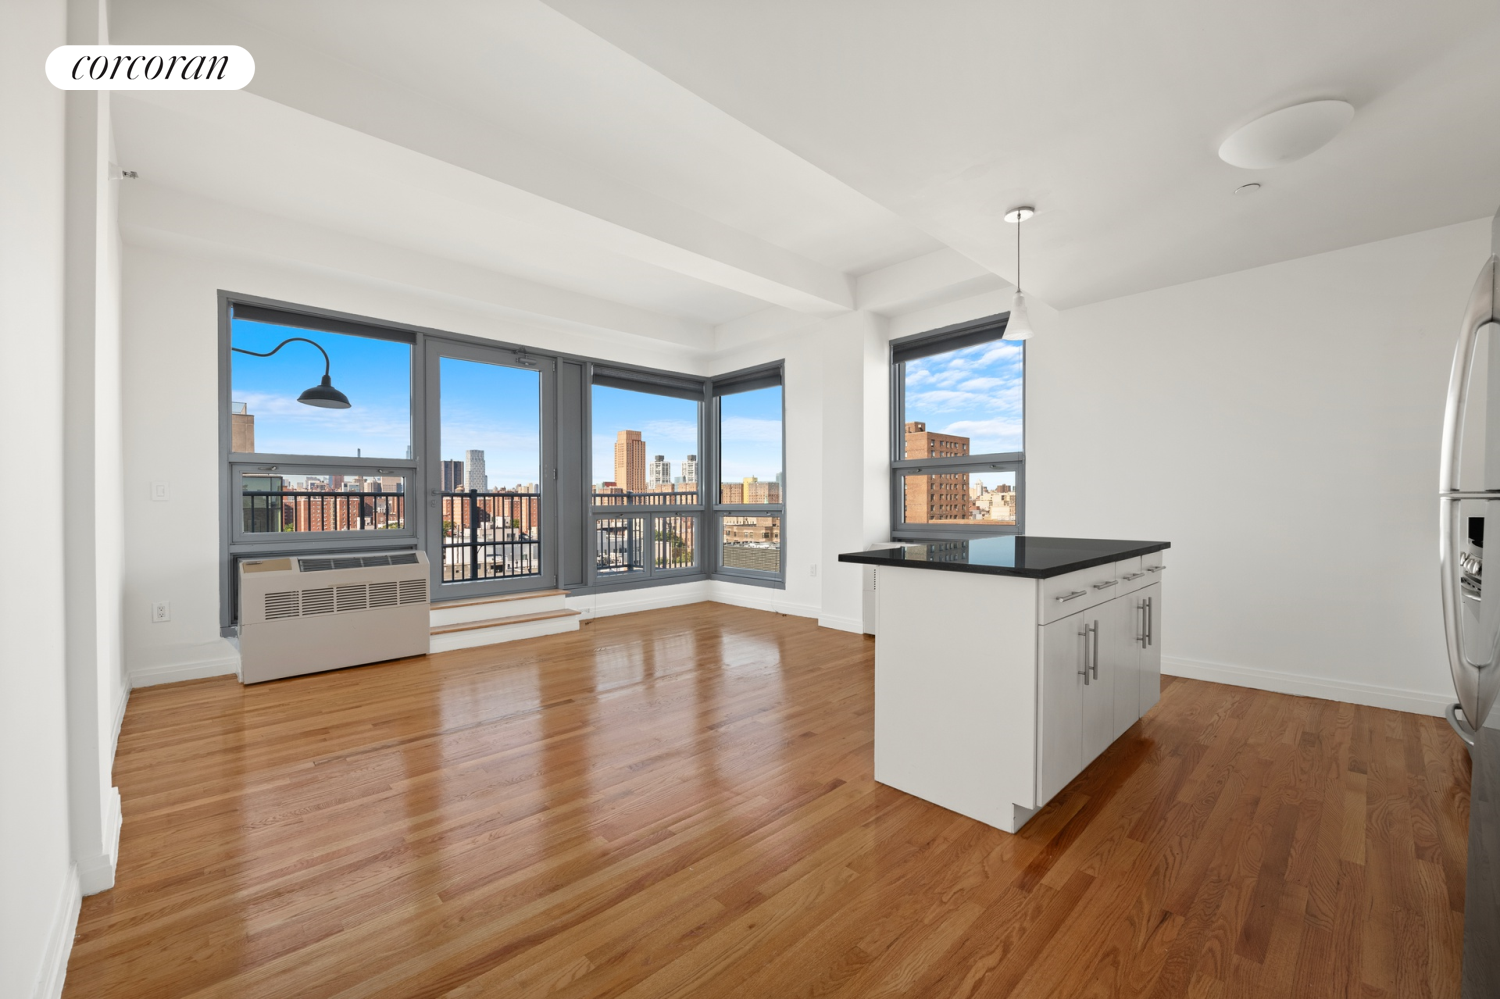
{"x":1124,"y":640}
{"x":1099,"y":692}
{"x":1150,"y":655}
{"x":1060,"y":718}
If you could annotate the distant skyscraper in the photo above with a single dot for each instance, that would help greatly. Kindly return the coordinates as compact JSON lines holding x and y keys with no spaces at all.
{"x":630,"y":461}
{"x":660,"y":472}
{"x":474,"y":477}
{"x":453,"y":476}
{"x":690,"y":469}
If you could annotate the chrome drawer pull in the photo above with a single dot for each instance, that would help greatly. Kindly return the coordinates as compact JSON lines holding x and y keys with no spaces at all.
{"x":1109,"y":582}
{"x":1155,"y":568}
{"x":1134,"y":575}
{"x":1070,"y":596}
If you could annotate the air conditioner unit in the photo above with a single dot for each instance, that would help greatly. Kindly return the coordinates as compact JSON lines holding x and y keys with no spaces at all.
{"x":309,"y":613}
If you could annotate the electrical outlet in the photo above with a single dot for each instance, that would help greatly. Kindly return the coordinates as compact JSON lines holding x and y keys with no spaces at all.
{"x":159,"y":492}
{"x":812,"y":570}
{"x":161,"y":611}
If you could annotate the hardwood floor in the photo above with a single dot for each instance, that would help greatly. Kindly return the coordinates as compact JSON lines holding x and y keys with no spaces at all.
{"x":680,"y":803}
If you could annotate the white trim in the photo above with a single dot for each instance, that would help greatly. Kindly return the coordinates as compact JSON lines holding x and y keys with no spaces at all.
{"x":54,"y":966}
{"x":477,"y":637}
{"x":114,"y":740}
{"x":757,"y":598}
{"x":594,"y":605}
{"x":97,"y":874}
{"x":1396,"y":699}
{"x":851,"y":624}
{"x":149,"y":676}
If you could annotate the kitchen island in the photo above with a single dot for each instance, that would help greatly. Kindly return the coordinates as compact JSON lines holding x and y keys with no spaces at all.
{"x":1005,"y":665}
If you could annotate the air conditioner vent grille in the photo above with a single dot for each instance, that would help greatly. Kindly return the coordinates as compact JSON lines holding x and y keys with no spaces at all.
{"x":280,"y":605}
{"x":383,"y":594}
{"x":355,"y":562}
{"x":351,"y":598}
{"x":413,"y":591}
{"x":319,"y":601}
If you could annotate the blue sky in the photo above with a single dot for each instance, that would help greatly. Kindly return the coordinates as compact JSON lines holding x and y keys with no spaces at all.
{"x":489,"y":407}
{"x":751,"y":433}
{"x":374,"y":374}
{"x":974,"y":392}
{"x":494,"y":409}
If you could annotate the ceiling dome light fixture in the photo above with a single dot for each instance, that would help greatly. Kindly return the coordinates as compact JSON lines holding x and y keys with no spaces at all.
{"x":323,"y":395}
{"x":1018,"y":326}
{"x":1283,"y":136}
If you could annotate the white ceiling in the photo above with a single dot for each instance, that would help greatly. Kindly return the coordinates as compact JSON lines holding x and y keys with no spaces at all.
{"x":1106,"y":115}
{"x":710,"y":160}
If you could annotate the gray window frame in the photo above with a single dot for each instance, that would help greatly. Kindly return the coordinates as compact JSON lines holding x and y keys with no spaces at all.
{"x":941,"y":340}
{"x":644,"y":380}
{"x":746,"y":379}
{"x":568,"y":548}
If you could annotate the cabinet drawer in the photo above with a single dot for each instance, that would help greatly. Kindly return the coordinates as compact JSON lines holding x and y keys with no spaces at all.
{"x":1073,"y":591}
{"x":1154,"y":566}
{"x":1132,"y":574}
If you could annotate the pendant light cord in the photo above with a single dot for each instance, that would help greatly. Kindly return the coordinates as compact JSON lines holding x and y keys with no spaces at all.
{"x":1019,"y":223}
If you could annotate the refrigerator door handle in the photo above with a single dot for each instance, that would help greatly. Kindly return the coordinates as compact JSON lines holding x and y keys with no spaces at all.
{"x":1481,"y":311}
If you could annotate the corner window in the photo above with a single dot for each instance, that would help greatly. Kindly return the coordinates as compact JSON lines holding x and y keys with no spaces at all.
{"x":958,"y":434}
{"x":646,"y":493}
{"x":750,"y":497}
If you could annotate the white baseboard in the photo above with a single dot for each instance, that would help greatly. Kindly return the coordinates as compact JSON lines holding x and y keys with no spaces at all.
{"x":148,"y":676}
{"x":852,"y":624}
{"x":758,"y":598}
{"x":96,"y":874}
{"x":54,"y":966}
{"x":114,"y":738}
{"x":1396,"y":699}
{"x":476,"y":637}
{"x":593,"y":605}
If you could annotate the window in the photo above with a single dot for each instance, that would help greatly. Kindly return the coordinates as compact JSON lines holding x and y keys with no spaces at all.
{"x":489,"y":429}
{"x":512,"y":470}
{"x":645,"y":494}
{"x":750,"y":495}
{"x":957,"y":455}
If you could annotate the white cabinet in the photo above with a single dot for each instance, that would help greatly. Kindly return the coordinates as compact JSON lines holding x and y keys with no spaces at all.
{"x":1149,"y":661}
{"x":1064,"y":645}
{"x":992,"y":692}
{"x":1100,"y":672}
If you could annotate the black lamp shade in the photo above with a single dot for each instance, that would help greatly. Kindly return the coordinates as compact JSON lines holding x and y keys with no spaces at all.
{"x":324,"y":396}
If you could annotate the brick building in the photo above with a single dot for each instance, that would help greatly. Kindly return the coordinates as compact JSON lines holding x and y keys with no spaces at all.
{"x":935,"y":498}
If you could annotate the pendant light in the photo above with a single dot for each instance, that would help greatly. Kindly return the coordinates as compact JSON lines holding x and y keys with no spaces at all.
{"x":1018,"y":326}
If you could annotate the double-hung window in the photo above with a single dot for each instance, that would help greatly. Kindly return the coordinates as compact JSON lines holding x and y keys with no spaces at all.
{"x":646,"y":499}
{"x":957,"y":434}
{"x":750,"y":498}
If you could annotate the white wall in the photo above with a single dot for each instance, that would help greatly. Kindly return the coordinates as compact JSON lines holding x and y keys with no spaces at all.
{"x":91,"y":464}
{"x":1280,"y":427}
{"x":38,"y":886}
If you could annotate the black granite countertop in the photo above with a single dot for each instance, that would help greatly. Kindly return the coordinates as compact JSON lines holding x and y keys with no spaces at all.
{"x":1008,"y":555}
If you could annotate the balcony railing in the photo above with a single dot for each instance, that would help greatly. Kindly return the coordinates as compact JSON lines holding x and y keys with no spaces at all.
{"x":647,"y":498}
{"x":275,"y":511}
{"x":491,"y":535}
{"x":644,"y":544}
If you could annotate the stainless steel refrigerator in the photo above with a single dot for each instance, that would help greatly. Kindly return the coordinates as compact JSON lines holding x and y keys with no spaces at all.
{"x":1469,"y":498}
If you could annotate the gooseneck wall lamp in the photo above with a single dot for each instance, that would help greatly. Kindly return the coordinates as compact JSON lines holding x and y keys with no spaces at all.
{"x":322,"y":395}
